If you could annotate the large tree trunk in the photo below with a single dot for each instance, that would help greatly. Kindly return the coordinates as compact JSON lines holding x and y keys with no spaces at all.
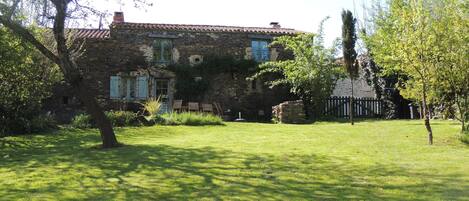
{"x":426,"y":114}
{"x":463,"y":126}
{"x":108,"y":137}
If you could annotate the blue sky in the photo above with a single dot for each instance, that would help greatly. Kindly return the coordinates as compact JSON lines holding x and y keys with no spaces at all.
{"x":303,"y":15}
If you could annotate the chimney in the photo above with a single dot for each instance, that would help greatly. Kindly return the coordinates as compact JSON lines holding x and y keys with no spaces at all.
{"x":275,"y":25}
{"x":118,"y":17}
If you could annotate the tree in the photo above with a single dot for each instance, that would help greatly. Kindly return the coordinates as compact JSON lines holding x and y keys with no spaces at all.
{"x":349,"y":37}
{"x":400,"y":43}
{"x":451,"y":28}
{"x":412,"y":38}
{"x":26,"y":78}
{"x":58,"y":13}
{"x":311,"y":74}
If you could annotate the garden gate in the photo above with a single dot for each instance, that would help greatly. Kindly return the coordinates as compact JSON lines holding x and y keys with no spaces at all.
{"x":363,"y":107}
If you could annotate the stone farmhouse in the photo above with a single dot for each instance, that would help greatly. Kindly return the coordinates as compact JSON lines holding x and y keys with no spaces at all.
{"x":129,"y":62}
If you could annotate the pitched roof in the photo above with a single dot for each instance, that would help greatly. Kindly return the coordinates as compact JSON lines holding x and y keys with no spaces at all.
{"x":105,"y":33}
{"x":204,"y":28}
{"x":92,"y":33}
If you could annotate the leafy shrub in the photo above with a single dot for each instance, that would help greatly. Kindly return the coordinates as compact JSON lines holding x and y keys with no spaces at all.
{"x":34,"y":124}
{"x":82,"y":121}
{"x":191,"y":119}
{"x":465,"y":137}
{"x":42,"y":123}
{"x":117,"y":118}
{"x":123,"y":118}
{"x":23,"y":84}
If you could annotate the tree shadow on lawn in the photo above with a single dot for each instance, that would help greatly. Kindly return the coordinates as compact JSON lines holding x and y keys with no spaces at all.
{"x":61,"y":167}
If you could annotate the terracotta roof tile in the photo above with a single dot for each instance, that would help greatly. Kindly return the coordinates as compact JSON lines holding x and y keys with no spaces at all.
{"x":92,"y":33}
{"x":204,"y":28}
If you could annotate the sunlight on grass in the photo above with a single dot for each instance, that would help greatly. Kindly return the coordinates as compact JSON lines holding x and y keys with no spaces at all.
{"x":241,"y":161}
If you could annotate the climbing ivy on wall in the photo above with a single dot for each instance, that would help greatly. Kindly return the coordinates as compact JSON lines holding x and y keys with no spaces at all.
{"x":194,"y":81}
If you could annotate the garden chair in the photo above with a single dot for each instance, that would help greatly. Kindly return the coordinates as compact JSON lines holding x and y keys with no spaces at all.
{"x":207,"y":108}
{"x":193,"y":106}
{"x":218,"y":109}
{"x":177,"y":105}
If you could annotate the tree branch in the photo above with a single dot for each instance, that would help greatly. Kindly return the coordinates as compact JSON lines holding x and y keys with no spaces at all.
{"x":25,"y":35}
{"x":10,"y":12}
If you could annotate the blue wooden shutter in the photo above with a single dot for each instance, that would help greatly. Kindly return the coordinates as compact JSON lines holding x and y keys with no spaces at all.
{"x":114,"y":87}
{"x":255,"y":50}
{"x":264,"y":50}
{"x":142,"y":87}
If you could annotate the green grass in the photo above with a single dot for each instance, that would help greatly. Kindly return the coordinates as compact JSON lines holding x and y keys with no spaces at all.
{"x":373,"y":160}
{"x":190,"y":119}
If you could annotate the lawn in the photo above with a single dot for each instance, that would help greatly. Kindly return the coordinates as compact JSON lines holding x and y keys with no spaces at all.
{"x":373,"y":160}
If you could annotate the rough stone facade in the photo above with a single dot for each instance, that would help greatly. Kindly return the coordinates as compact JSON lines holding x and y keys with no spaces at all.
{"x":127,"y":50}
{"x":361,"y":88}
{"x":290,"y":112}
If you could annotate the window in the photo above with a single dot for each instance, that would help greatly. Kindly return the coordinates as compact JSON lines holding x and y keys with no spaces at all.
{"x":160,"y":90}
{"x":128,"y":87}
{"x":260,"y":50}
{"x":254,"y":84}
{"x":162,"y":50}
{"x":65,"y":100}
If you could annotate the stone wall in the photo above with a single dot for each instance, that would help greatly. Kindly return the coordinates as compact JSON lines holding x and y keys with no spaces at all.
{"x":290,"y":112}
{"x":237,"y":94}
{"x":361,"y":88}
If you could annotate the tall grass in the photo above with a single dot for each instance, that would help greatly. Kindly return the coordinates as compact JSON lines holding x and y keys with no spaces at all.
{"x":117,"y":118}
{"x":191,"y":119}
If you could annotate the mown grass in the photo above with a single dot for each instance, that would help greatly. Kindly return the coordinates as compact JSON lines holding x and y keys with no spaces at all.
{"x":373,"y":160}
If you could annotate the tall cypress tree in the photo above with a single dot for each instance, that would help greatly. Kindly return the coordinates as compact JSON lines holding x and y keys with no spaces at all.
{"x":349,"y":37}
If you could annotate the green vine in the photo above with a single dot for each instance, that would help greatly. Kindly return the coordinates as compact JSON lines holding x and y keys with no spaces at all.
{"x":194,"y":81}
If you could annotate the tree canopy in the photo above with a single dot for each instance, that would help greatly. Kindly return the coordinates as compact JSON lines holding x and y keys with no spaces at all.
{"x":26,"y":80}
{"x":425,"y":40}
{"x":311,"y":74}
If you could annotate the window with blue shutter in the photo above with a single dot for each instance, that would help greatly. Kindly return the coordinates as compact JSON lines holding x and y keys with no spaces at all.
{"x":114,"y":87}
{"x":260,"y":50}
{"x":142,"y":87}
{"x":130,"y":88}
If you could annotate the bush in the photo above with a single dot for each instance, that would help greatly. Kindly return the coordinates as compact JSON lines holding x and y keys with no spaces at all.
{"x":123,"y":118}
{"x":190,"y":119}
{"x":34,"y":124}
{"x":117,"y":118}
{"x":82,"y":121}
{"x":23,"y":84}
{"x":42,"y":123}
{"x":465,"y":137}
